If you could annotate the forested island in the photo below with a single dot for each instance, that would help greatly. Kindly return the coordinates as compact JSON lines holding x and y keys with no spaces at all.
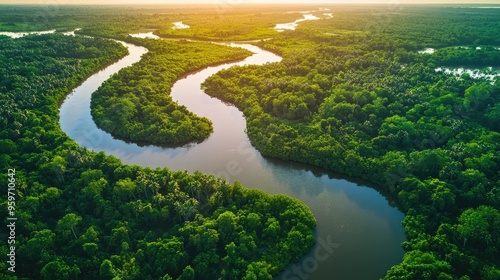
{"x":135,"y":105}
{"x":355,"y":93}
{"x":85,"y":215}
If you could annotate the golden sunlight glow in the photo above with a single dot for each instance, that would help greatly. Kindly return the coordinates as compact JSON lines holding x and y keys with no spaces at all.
{"x":236,"y":2}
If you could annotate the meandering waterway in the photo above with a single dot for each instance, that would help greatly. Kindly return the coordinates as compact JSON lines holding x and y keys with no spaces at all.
{"x":362,"y":227}
{"x":361,"y":222}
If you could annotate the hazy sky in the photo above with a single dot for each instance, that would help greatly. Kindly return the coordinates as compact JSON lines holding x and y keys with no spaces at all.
{"x":235,"y":2}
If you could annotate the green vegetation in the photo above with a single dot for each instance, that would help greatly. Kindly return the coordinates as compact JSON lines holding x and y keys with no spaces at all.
{"x":231,"y":25}
{"x":222,"y":20}
{"x":352,"y":95}
{"x":84,"y":215}
{"x":135,"y":105}
{"x":474,"y":55}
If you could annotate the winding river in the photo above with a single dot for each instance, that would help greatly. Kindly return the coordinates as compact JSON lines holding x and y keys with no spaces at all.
{"x":362,"y":229}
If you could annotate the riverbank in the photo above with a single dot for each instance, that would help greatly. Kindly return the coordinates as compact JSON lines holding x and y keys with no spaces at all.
{"x":347,"y":213}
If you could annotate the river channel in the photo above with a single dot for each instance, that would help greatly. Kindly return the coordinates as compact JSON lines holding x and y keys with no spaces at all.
{"x":363,"y":225}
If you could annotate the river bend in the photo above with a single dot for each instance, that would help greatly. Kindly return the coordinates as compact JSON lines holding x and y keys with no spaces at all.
{"x":364,"y":227}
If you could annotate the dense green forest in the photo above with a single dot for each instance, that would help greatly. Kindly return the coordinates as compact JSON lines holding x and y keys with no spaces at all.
{"x":85,"y":215}
{"x":223,"y":20}
{"x":353,"y":95}
{"x":232,"y":26}
{"x":135,"y":105}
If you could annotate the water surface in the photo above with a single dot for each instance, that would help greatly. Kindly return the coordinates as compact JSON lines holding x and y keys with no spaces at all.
{"x":145,"y":35}
{"x":180,"y":25}
{"x":292,"y":25}
{"x":16,"y":35}
{"x":71,"y":33}
{"x":427,"y":51}
{"x":364,"y":227}
{"x":489,"y":73}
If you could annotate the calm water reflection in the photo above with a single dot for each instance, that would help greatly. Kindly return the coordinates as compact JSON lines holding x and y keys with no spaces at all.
{"x":366,"y":229}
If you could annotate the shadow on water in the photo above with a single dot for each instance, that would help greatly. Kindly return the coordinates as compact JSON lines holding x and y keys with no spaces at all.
{"x":360,"y":219}
{"x":326,"y":175}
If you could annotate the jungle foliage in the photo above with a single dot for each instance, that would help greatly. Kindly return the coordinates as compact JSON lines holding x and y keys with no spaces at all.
{"x":85,"y":215}
{"x":353,"y":95}
{"x":135,"y":105}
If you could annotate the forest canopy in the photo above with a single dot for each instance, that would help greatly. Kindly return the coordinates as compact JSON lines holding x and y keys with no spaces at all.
{"x":85,"y":215}
{"x":355,"y":93}
{"x":135,"y":105}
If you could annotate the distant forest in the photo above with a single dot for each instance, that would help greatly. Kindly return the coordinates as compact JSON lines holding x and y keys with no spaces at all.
{"x":353,"y":94}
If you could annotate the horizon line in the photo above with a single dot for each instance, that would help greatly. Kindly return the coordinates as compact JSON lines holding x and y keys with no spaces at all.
{"x":247,"y":3}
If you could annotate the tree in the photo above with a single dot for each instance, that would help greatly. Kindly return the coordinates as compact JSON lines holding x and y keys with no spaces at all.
{"x":258,"y":271}
{"x":40,"y":247}
{"x":204,"y":239}
{"x":253,"y":223}
{"x":69,"y":222}
{"x":272,"y":229}
{"x":420,"y":265}
{"x":490,"y":272}
{"x":226,"y":226}
{"x":205,"y":264}
{"x":481,"y":227}
{"x":187,"y":274}
{"x":107,"y":270}
{"x":442,"y":197}
{"x":90,"y":235}
{"x":231,"y":263}
{"x":90,"y":248}
{"x":58,"y":166}
{"x":166,"y":255}
{"x":187,"y":209}
{"x":59,"y":270}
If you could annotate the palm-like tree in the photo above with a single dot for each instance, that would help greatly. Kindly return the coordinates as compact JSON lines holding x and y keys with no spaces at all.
{"x":187,"y":209}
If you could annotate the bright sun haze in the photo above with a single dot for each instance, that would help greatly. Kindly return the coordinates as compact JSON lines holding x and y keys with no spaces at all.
{"x":235,"y":2}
